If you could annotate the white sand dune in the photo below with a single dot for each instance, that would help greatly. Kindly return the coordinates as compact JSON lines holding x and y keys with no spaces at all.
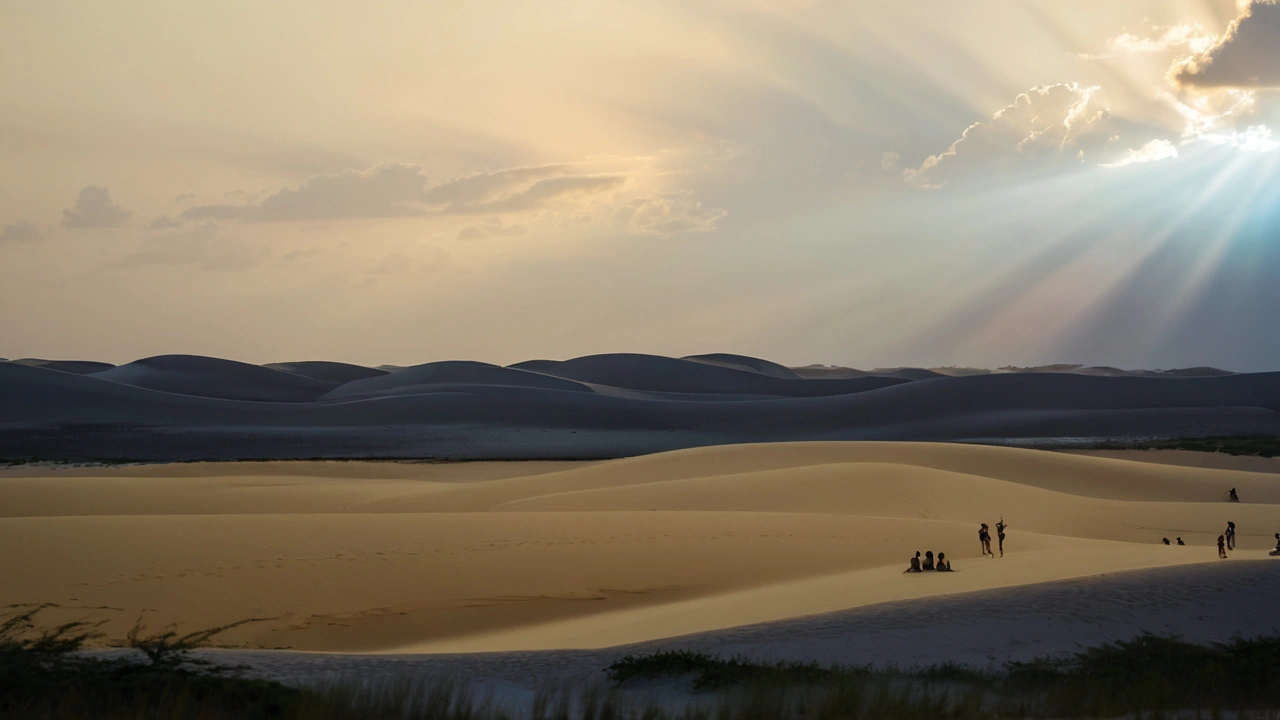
{"x":507,"y":556}
{"x":215,"y":378}
{"x":183,"y":408}
{"x":437,"y":375}
{"x":330,"y":372}
{"x":694,"y":376}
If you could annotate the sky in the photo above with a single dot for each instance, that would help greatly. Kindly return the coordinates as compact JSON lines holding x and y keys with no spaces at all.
{"x":872,"y":184}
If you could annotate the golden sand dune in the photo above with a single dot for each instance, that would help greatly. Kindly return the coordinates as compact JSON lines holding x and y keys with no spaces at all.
{"x":493,"y":556}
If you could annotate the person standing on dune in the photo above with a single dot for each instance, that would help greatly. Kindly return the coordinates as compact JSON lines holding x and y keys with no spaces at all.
{"x":984,"y":538}
{"x":1000,"y":526}
{"x":1231,"y":536}
{"x":1222,"y":547}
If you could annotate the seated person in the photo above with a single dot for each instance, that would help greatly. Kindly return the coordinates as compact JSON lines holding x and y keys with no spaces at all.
{"x":1277,"y":550}
{"x":928,"y":561}
{"x":1180,"y":542}
{"x":944,"y":565}
{"x":915,"y":563}
{"x":1164,"y":540}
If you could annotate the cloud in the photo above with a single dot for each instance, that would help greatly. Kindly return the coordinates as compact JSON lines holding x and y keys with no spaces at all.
{"x":543,"y":192}
{"x":488,"y":187}
{"x":379,"y":192}
{"x":20,"y":232}
{"x":1246,"y":56}
{"x":1046,"y":128}
{"x":1166,"y":38}
{"x":1208,"y":113}
{"x":94,"y":209}
{"x":516,"y":189}
{"x":493,"y":228}
{"x":1151,"y":152}
{"x":437,"y":259}
{"x":890,"y":161}
{"x":403,"y":190}
{"x":202,"y":245}
{"x":164,"y":222}
{"x":667,"y":214}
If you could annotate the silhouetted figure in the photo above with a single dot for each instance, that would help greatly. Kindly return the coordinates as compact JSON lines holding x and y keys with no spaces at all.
{"x":1231,"y":536}
{"x":944,"y":565}
{"x":1222,"y":547}
{"x":1164,"y":540}
{"x":1234,"y":496}
{"x":1180,"y":542}
{"x":915,"y":563}
{"x":928,"y":560}
{"x":1277,"y":550}
{"x":984,"y":537}
{"x":1000,"y":526}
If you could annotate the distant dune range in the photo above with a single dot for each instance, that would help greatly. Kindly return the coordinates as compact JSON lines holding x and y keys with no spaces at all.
{"x":179,"y":407}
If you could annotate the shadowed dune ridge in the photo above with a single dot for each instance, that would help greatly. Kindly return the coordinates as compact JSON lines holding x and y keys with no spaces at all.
{"x":79,"y":367}
{"x":177,"y":407}
{"x":743,"y":362}
{"x":739,"y":376}
{"x":422,"y":378}
{"x":333,"y":372}
{"x":215,"y":378}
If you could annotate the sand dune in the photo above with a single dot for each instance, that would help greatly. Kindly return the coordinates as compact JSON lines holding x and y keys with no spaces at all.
{"x":182,"y":408}
{"x":693,"y":376}
{"x":214,"y":378}
{"x":79,"y":367}
{"x":908,"y":373}
{"x":501,"y":556}
{"x":815,"y":372}
{"x":422,"y":378}
{"x":743,"y":362}
{"x":330,"y":372}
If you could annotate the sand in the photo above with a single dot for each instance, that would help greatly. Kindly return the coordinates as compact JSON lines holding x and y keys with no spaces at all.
{"x":184,"y":408}
{"x":469,"y":557}
{"x":1190,"y":458}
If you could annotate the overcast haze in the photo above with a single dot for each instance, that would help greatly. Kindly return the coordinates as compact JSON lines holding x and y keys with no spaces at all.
{"x":863,"y":183}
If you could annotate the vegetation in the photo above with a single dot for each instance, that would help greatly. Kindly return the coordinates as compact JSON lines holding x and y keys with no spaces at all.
{"x":1147,"y":676}
{"x":1252,"y":445}
{"x":44,"y":676}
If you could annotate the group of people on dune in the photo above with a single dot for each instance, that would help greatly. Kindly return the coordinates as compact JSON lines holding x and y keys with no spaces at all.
{"x":984,"y":537}
{"x":1227,"y":540}
{"x":927,"y":563}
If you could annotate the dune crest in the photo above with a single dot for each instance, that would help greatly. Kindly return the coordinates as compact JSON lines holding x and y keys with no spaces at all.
{"x":421,"y":378}
{"x":331,"y":372}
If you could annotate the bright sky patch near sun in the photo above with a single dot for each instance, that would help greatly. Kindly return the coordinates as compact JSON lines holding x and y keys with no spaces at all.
{"x":926,"y":183}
